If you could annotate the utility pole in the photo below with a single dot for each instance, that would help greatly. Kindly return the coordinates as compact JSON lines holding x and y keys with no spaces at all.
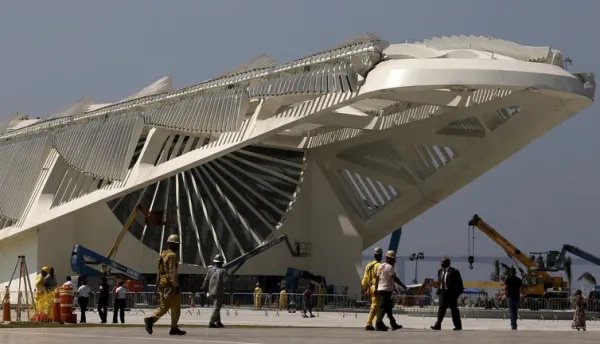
{"x":416,"y":257}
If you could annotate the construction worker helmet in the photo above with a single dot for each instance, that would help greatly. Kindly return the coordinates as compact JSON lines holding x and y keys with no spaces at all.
{"x":377,"y":251}
{"x":391,"y":254}
{"x":173,"y":239}
{"x":218,"y":259}
{"x":46,"y":269}
{"x":258,"y":284}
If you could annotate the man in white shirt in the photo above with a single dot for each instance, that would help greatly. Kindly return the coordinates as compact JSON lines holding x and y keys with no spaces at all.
{"x":68,"y":283}
{"x":83,"y":294}
{"x":385,"y":286}
{"x":120,"y":302}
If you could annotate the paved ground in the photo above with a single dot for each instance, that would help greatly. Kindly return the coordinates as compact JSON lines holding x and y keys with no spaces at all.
{"x":200,"y":317}
{"x":285,"y":335}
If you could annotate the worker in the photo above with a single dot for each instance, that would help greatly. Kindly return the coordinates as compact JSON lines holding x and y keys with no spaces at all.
{"x":214,"y":284}
{"x":258,"y":296}
{"x":40,"y":296}
{"x":50,"y":285}
{"x":282,"y":298}
{"x":321,"y":301}
{"x":368,"y":286}
{"x":168,"y":287}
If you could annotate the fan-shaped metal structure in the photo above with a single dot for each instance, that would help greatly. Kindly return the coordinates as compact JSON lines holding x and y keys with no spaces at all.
{"x":228,"y":206}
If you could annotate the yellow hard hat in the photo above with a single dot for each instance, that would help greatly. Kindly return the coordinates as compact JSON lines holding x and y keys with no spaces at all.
{"x":173,"y":239}
{"x":391,"y":254}
{"x":46,"y":269}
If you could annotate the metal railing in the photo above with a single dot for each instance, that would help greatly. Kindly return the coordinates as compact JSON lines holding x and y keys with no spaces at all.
{"x":421,"y":306}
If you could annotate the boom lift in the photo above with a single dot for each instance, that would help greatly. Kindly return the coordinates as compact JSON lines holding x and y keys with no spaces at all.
{"x":555,"y":260}
{"x":87,"y":262}
{"x":536,"y":283}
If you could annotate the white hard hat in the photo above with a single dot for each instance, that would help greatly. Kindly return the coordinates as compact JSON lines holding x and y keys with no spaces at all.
{"x":377,"y":250}
{"x":173,"y":239}
{"x":218,"y":259}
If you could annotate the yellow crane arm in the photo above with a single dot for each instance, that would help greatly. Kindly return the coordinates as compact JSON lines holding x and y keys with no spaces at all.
{"x":126,"y":226}
{"x":511,"y":250}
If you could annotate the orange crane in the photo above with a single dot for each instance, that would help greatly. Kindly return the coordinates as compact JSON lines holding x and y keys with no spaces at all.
{"x":535,"y":282}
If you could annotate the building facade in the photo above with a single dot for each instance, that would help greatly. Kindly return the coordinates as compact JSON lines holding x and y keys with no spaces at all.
{"x":335,"y":150}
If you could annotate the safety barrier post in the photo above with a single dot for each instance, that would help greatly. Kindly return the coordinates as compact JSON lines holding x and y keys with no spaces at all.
{"x":6,"y":306}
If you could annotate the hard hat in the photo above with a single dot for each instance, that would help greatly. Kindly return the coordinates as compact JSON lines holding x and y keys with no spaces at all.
{"x":218,"y":259}
{"x":173,"y":239}
{"x":391,"y":254}
{"x":377,"y":250}
{"x":46,"y":269}
{"x":258,"y":284}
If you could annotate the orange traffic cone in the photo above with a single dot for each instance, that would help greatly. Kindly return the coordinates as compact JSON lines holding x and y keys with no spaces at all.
{"x":56,"y":317}
{"x":6,"y":307}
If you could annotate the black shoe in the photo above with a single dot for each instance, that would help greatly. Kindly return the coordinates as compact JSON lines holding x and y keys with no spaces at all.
{"x":212,"y":325}
{"x":312,"y":316}
{"x":380,"y":327}
{"x":436,"y":327}
{"x":514,"y":328}
{"x":149,"y":322}
{"x":220,"y":325}
{"x":177,"y":332}
{"x":457,"y":329}
{"x":369,"y":328}
{"x":396,"y":327}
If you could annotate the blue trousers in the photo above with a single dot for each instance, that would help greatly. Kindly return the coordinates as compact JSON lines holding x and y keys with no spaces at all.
{"x":513,"y":310}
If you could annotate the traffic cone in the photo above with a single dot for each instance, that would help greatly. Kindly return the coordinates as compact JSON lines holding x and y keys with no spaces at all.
{"x":56,"y":316}
{"x":6,"y":307}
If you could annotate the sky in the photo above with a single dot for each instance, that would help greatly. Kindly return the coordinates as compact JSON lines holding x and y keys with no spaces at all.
{"x":54,"y":53}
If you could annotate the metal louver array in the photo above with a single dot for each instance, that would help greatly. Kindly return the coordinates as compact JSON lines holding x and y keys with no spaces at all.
{"x":207,"y":113}
{"x":327,"y":79}
{"x":74,"y":109}
{"x":495,"y":45}
{"x":161,"y":85}
{"x":21,"y":165}
{"x":100,"y":148}
{"x":227,"y":206}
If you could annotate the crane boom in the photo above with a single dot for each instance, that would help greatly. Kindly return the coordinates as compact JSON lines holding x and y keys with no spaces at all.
{"x":511,"y":250}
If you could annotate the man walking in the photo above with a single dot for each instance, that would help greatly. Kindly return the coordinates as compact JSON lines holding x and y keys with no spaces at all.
{"x":84,"y":299}
{"x":385,"y":286}
{"x":512,"y":287}
{"x":368,"y":286}
{"x":450,"y":286}
{"x":214,"y":284}
{"x":120,"y":303}
{"x":168,"y":288}
{"x":103,"y":296}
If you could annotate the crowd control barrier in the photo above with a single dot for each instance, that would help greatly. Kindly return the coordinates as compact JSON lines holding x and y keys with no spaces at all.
{"x":471,"y":307}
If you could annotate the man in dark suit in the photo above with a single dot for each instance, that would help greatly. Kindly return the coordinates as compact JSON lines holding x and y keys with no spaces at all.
{"x":450,"y":286}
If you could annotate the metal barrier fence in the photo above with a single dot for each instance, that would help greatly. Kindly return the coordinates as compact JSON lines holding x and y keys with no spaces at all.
{"x":422,"y":306}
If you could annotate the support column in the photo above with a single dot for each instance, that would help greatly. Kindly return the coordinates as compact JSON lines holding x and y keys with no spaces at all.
{"x":336,"y":244}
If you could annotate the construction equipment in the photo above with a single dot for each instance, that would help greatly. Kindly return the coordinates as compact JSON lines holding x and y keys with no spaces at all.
{"x":555,"y":260}
{"x":535,"y":282}
{"x":237,"y":263}
{"x":89,"y":263}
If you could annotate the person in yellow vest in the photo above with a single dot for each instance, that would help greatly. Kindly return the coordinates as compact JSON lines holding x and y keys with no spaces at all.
{"x":368,"y":286}
{"x":40,"y":291}
{"x":258,"y":296}
{"x":282,"y":298}
{"x":321,"y":301}
{"x":168,"y":288}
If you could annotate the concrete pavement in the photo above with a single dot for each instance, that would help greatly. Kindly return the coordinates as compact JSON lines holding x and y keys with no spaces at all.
{"x":77,"y":335}
{"x":244,"y":317}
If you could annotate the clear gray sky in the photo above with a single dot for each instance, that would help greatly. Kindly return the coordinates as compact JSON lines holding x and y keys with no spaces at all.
{"x":55,"y":52}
